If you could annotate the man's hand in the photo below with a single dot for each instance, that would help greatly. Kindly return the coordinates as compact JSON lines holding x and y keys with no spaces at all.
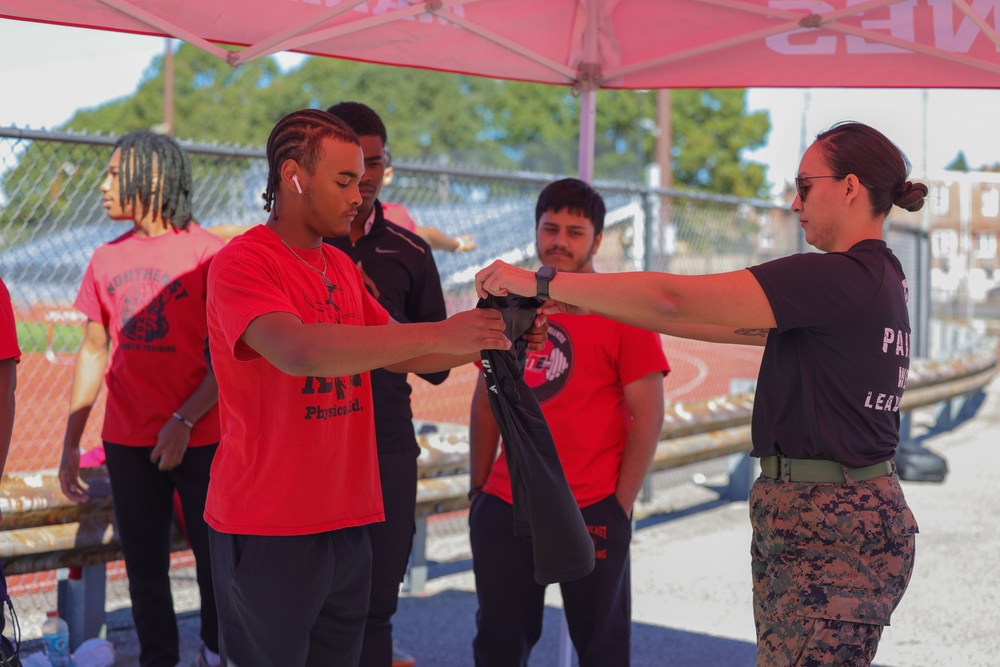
{"x":627,"y":505}
{"x":501,"y":279}
{"x":465,"y":243}
{"x":473,"y":330}
{"x":537,"y":333}
{"x":69,"y":475}
{"x":171,"y":443}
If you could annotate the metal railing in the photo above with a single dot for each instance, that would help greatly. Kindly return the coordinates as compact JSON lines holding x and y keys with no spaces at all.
{"x":43,"y":530}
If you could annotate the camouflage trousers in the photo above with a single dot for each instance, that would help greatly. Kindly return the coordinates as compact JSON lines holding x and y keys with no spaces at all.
{"x":830,"y":562}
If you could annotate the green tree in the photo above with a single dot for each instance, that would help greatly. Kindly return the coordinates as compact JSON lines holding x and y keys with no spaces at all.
{"x":959,"y":163}
{"x":440,"y":117}
{"x":433,"y":117}
{"x":50,"y":189}
{"x":213,"y":102}
{"x":711,"y":130}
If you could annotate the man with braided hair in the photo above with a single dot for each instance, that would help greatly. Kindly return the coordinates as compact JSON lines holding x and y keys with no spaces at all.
{"x":294,"y":334}
{"x":144,"y":297}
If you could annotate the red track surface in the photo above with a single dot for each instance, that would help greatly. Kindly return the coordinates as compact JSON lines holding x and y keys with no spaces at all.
{"x":699,"y":371}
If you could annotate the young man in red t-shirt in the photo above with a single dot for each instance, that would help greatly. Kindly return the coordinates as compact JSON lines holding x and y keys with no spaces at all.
{"x":144,"y":298}
{"x":600,"y":386}
{"x":293,"y":335}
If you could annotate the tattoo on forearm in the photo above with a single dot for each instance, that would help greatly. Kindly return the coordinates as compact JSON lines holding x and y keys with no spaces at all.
{"x":752,"y":332}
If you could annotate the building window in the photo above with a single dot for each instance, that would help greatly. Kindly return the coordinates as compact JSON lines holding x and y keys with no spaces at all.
{"x":989,"y":201}
{"x":939,"y":199}
{"x":986,"y":246}
{"x":944,"y":243}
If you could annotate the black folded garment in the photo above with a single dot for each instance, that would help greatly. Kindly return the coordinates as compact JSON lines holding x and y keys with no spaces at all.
{"x":544,"y":508}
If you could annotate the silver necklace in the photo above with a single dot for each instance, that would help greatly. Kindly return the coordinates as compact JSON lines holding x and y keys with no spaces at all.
{"x":322,"y":255}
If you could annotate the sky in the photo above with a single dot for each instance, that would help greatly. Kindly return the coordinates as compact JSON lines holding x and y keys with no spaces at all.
{"x":48,"y":72}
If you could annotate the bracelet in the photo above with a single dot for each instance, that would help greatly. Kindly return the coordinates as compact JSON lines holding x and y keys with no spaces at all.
{"x":179,"y":417}
{"x":473,"y":491}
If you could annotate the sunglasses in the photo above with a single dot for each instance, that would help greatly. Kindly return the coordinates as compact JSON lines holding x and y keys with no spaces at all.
{"x":802,"y":189}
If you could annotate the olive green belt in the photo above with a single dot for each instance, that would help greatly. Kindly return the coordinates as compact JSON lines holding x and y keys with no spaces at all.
{"x":814,"y":470}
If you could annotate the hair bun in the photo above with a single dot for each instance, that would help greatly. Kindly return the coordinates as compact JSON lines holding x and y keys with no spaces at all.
{"x":910,"y":196}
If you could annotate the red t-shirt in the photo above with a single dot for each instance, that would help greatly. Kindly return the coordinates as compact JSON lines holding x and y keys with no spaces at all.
{"x":579,"y":380}
{"x":149,"y":292}
{"x":298,"y":453}
{"x":9,"y":349}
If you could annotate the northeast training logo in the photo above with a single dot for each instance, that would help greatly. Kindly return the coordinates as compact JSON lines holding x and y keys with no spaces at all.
{"x":141,"y":308}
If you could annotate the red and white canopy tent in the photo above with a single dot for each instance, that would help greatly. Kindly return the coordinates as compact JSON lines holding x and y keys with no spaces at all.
{"x":589,"y":44}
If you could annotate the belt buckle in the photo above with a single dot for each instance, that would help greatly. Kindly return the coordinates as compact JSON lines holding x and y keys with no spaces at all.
{"x":784,"y":469}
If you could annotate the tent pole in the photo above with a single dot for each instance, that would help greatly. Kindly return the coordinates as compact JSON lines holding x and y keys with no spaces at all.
{"x":588,"y":125}
{"x":589,"y":81}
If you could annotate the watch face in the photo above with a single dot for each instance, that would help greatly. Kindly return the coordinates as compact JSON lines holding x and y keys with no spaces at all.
{"x":546,"y":272}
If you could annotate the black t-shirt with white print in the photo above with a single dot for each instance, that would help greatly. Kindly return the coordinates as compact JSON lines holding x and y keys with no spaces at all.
{"x":834,"y":369}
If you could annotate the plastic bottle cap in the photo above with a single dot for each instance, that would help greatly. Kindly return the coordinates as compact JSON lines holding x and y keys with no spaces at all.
{"x":51,"y":613}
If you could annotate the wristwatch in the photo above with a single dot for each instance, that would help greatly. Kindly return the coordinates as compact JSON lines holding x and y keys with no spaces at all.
{"x":543,"y":276}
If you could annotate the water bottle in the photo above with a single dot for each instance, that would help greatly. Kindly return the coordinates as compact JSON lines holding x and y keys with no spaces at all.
{"x":55,"y":638}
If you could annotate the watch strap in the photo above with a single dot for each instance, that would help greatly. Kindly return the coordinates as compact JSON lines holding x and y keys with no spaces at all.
{"x":542,"y":278}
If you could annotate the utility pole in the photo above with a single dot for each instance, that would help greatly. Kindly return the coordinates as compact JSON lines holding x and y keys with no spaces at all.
{"x":665,"y":139}
{"x":168,"y":89}
{"x":662,"y":233}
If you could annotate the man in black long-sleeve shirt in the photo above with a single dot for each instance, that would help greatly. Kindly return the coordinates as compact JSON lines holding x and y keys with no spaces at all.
{"x":399,"y":270}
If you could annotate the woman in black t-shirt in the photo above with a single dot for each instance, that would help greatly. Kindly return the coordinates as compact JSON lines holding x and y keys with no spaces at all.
{"x":833,"y":538}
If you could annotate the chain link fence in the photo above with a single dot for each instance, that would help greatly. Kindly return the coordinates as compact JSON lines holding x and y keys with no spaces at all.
{"x":51,"y":220}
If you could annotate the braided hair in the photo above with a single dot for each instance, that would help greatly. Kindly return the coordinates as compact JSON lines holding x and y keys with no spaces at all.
{"x":156,"y":172}
{"x":297,"y":137}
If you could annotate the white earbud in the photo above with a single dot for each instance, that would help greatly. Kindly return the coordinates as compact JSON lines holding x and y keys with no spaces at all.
{"x":295,"y":179}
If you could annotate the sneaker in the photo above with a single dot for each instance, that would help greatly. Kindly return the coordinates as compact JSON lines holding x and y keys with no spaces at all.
{"x":206,"y":658}
{"x":402,"y":659}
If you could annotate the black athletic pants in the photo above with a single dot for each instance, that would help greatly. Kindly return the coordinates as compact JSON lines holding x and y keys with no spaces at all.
{"x":391,"y":542}
{"x":598,"y":607}
{"x":292,"y":601}
{"x":143,"y":498}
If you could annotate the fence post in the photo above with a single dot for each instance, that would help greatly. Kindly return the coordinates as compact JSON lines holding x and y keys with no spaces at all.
{"x":905,"y":427}
{"x":945,"y":417}
{"x":650,"y":231}
{"x":80,"y":598}
{"x":742,"y":473}
{"x":646,"y":493}
{"x":418,"y":569}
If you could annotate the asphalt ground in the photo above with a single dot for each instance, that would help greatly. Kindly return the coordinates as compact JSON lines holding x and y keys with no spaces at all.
{"x":691,"y":577}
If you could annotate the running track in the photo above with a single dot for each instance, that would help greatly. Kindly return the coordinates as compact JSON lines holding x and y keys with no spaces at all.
{"x":699,"y":371}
